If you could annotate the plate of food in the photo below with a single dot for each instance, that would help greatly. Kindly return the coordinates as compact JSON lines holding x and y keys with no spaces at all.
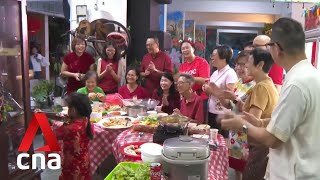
{"x":113,"y":107}
{"x":116,"y":122}
{"x":116,"y":113}
{"x":147,"y":124}
{"x":132,"y":150}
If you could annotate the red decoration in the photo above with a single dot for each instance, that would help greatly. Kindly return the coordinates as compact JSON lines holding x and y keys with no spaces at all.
{"x":34,"y":24}
{"x":313,"y":56}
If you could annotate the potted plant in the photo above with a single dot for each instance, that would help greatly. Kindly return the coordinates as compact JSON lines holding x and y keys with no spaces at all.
{"x":42,"y":94}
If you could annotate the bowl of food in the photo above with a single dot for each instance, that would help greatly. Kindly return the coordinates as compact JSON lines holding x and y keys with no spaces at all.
{"x":131,"y":102}
{"x":174,"y":123}
{"x":150,"y":103}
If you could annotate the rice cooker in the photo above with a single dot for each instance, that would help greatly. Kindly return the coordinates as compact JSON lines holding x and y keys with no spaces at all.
{"x":185,"y":158}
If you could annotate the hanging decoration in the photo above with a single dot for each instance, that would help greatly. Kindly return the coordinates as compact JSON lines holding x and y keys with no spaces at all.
{"x":312,"y":17}
{"x":34,"y":25}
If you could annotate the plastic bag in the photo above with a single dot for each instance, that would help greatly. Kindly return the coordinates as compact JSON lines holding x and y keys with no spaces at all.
{"x":113,"y":99}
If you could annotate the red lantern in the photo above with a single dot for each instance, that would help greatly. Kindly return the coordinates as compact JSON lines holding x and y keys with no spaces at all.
{"x":34,"y":24}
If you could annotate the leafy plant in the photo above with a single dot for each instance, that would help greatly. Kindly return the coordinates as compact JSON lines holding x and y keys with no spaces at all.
{"x":41,"y":92}
{"x":4,"y":110}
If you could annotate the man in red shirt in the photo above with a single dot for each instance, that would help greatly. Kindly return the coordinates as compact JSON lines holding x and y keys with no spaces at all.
{"x":154,"y":64}
{"x":191,"y":103}
{"x":276,"y":72}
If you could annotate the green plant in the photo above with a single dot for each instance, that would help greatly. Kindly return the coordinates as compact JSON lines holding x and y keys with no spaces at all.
{"x":4,"y":110}
{"x":41,"y":92}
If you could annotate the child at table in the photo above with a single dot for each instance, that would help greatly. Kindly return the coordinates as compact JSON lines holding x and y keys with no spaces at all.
{"x":91,"y":89}
{"x":76,"y":133}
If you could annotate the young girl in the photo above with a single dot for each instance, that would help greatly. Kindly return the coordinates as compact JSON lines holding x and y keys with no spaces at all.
{"x":91,"y":89}
{"x":108,"y":68}
{"x":76,"y":134}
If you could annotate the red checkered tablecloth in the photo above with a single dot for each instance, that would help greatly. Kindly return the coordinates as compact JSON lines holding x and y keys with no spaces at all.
{"x":101,"y":145}
{"x":218,"y":165}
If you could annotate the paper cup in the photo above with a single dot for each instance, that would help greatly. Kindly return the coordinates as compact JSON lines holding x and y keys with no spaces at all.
{"x":95,"y":105}
{"x":214,"y":134}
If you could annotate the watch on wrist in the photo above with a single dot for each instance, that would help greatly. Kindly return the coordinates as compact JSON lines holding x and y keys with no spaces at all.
{"x":245,"y":128}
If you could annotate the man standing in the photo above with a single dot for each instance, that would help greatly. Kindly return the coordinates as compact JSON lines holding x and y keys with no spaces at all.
{"x":276,"y":72}
{"x":154,"y":64}
{"x":293,"y":132}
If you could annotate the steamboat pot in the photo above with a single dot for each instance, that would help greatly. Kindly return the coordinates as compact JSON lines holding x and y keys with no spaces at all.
{"x":134,"y":110}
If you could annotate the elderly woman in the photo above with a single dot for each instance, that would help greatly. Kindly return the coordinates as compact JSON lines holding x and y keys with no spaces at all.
{"x":132,"y":89}
{"x":108,"y":69}
{"x":91,"y":89}
{"x":167,"y":94}
{"x":191,"y":103}
{"x":237,"y":158}
{"x":224,"y":78}
{"x":260,"y":102}
{"x":76,"y":64}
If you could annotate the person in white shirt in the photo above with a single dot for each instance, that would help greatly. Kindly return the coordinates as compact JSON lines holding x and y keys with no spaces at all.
{"x":224,"y":78}
{"x":293,"y":131}
{"x":37,"y":61}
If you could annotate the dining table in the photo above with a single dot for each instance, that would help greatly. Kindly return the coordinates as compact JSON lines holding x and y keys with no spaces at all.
{"x":218,"y":164}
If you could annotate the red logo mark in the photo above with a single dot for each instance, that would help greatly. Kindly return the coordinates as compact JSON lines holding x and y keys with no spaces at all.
{"x":39,"y":119}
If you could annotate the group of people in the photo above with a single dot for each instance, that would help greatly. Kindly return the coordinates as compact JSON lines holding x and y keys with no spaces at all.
{"x":282,"y":127}
{"x":244,"y":100}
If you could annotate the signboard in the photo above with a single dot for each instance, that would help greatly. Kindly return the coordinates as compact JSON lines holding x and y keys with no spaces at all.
{"x":51,"y":8}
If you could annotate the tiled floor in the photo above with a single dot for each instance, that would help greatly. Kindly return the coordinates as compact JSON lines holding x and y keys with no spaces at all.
{"x":54,"y":174}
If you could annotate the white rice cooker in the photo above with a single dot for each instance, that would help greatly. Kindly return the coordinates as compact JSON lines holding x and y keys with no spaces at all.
{"x":185,"y":158}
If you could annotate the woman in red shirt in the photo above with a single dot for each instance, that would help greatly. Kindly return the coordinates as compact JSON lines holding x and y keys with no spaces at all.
{"x":76,"y":64}
{"x":132,"y":89}
{"x":195,"y":66}
{"x":108,"y":69}
{"x":167,"y":95}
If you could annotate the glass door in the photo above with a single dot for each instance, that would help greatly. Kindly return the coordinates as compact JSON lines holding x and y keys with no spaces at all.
{"x":13,"y":83}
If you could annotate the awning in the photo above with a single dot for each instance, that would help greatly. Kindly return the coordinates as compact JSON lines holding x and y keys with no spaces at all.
{"x":51,"y":8}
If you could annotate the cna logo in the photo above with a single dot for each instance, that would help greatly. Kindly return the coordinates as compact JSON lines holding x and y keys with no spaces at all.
{"x":40,"y":120}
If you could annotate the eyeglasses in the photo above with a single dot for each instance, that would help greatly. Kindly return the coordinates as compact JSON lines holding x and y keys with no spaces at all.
{"x":180,"y":83}
{"x":240,"y":64}
{"x":111,"y":50}
{"x":80,"y":44}
{"x":274,"y":43}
